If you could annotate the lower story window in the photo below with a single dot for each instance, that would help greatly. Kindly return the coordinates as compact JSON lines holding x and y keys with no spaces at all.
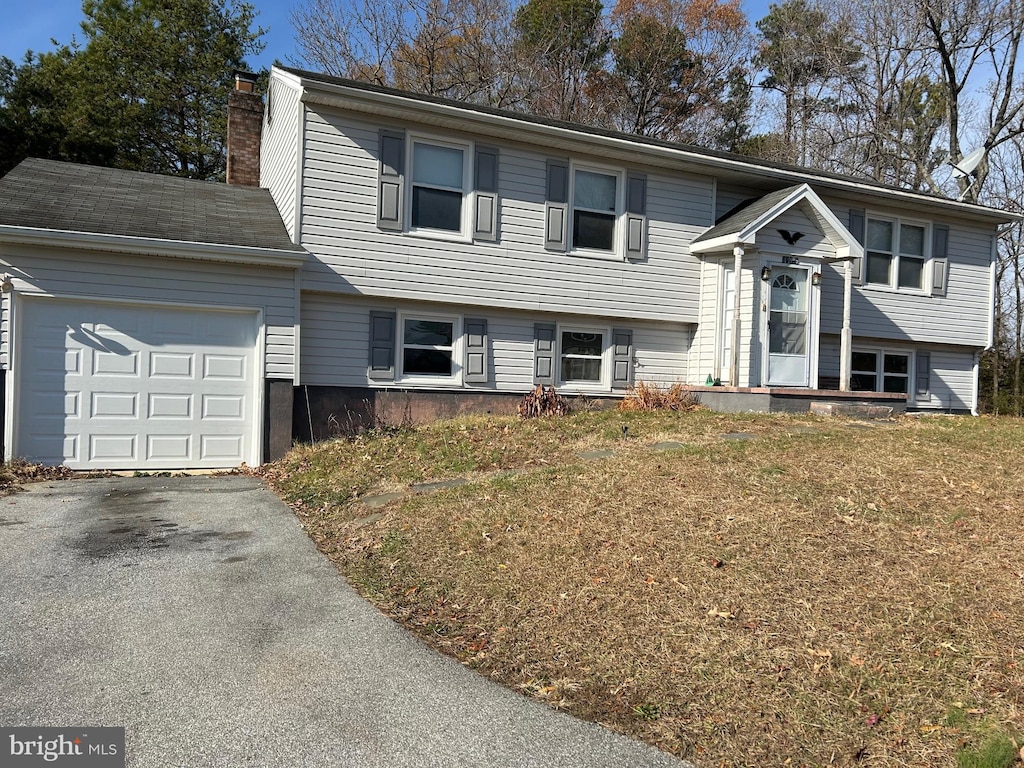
{"x":582,"y":356}
{"x":880,"y":371}
{"x":428,"y":347}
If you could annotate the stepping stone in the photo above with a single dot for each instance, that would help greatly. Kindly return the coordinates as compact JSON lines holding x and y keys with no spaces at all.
{"x":440,"y":485}
{"x":368,"y":520}
{"x":804,"y":431}
{"x":382,"y":500}
{"x":861,"y":426}
{"x":596,"y":454}
{"x":738,"y":436}
{"x":668,"y":445}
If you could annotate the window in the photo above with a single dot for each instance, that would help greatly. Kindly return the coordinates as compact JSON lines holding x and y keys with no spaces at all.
{"x":428,"y":347}
{"x":439,"y":186}
{"x":582,"y":357}
{"x":896,"y":254}
{"x":880,"y":371}
{"x":595,"y":209}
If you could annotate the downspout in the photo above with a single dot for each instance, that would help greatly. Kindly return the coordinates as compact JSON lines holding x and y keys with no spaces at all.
{"x":846,"y":339}
{"x":734,"y":364}
{"x":977,"y":380}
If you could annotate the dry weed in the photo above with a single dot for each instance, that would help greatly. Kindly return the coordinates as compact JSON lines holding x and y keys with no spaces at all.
{"x":845,"y":597}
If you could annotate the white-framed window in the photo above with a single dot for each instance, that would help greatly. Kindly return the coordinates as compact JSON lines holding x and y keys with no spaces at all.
{"x":597,"y":206}
{"x":881,"y":370}
{"x":583,"y":356}
{"x":429,"y":348}
{"x":895,"y":253}
{"x":440,"y":186}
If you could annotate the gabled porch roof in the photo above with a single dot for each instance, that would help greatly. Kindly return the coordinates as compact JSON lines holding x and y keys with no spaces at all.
{"x":741,"y":228}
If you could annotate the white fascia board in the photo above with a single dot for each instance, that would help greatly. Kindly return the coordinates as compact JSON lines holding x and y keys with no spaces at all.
{"x":400,"y":107}
{"x":723,"y":243}
{"x":151,"y":246}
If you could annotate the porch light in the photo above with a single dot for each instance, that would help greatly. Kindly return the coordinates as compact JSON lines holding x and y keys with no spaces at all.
{"x":766,"y":272}
{"x":816,"y":278}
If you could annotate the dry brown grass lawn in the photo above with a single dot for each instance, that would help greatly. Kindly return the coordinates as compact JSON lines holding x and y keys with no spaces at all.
{"x":844,"y":596}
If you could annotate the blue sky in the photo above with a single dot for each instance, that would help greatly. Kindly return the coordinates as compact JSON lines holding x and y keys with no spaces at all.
{"x":30,"y":24}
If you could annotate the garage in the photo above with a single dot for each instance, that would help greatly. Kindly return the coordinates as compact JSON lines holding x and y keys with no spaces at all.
{"x":146,"y":322}
{"x":135,"y":386}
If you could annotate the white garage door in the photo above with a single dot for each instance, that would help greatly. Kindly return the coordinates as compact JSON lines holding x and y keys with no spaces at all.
{"x":105,"y":386}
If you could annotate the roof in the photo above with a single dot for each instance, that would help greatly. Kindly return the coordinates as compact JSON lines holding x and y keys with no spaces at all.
{"x":747,"y":214}
{"x":740,"y":169}
{"x":67,"y":197}
{"x":741,"y":228}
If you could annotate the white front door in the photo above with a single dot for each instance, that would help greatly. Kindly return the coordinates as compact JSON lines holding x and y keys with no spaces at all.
{"x":725,"y":343}
{"x":790,"y":327}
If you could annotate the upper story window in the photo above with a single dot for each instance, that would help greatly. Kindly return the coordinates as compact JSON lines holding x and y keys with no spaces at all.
{"x":595,"y":211}
{"x":596,"y":206}
{"x":436,"y":187}
{"x":896,"y":253}
{"x":440,"y":184}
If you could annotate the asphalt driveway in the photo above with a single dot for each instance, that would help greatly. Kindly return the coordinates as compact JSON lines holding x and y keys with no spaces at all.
{"x":197,"y":614}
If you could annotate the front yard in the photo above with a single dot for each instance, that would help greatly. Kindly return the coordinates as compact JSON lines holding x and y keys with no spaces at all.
{"x":811,"y":592}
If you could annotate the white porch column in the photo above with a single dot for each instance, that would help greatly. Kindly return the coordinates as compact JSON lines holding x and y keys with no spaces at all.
{"x":846,"y":340}
{"x":734,"y":342}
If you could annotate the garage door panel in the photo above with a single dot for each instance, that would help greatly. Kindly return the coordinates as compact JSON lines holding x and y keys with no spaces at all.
{"x":170,"y":406}
{"x":114,"y":364}
{"x":217,"y":448}
{"x":113,"y":447}
{"x":223,"y":407}
{"x":176,"y":365}
{"x":135,"y":387}
{"x":174,"y":448}
{"x":55,"y":405}
{"x":230,"y":367}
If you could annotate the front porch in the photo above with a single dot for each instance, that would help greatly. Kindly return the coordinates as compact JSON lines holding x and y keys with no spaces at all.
{"x":824,"y":402}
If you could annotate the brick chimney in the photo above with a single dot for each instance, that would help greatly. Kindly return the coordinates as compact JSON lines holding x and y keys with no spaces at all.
{"x":245,"y":127}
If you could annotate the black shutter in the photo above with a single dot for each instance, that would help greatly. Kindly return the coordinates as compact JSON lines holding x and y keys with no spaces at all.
{"x":382,"y":346}
{"x":556,"y":209}
{"x":940,"y":259}
{"x":390,"y":193}
{"x":858,"y":223}
{"x":636,"y":216}
{"x":923,"y":374}
{"x":485,"y":226}
{"x":544,"y":353}
{"x":622,"y":358}
{"x":476,"y":362}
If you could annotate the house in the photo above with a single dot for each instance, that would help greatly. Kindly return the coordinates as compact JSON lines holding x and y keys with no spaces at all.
{"x":460,"y":255}
{"x":411,"y":256}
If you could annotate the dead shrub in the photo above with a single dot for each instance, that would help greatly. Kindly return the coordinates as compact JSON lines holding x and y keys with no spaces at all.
{"x":543,"y":401}
{"x":643,"y":396}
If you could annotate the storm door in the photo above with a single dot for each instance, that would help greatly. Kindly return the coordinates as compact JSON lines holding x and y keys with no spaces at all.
{"x":789,"y":327}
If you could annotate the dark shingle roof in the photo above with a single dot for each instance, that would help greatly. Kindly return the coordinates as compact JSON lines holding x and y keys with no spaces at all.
{"x":47,"y":194}
{"x":747,"y":215}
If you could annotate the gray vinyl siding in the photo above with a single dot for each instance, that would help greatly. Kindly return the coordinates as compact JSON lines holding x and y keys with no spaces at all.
{"x":335,"y":337}
{"x":176,"y":281}
{"x":951,"y":383}
{"x":961,"y":317}
{"x":813,"y":243}
{"x":353,"y":256}
{"x":279,"y":150}
{"x":703,"y":350}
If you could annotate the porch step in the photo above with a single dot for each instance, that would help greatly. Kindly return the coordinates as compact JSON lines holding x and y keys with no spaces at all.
{"x":852,"y":410}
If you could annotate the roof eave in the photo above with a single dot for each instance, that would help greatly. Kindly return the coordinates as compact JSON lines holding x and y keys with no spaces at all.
{"x":398,"y":106}
{"x":175,"y":249}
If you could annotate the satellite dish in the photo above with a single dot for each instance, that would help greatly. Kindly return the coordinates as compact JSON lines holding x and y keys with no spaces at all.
{"x":968,"y":164}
